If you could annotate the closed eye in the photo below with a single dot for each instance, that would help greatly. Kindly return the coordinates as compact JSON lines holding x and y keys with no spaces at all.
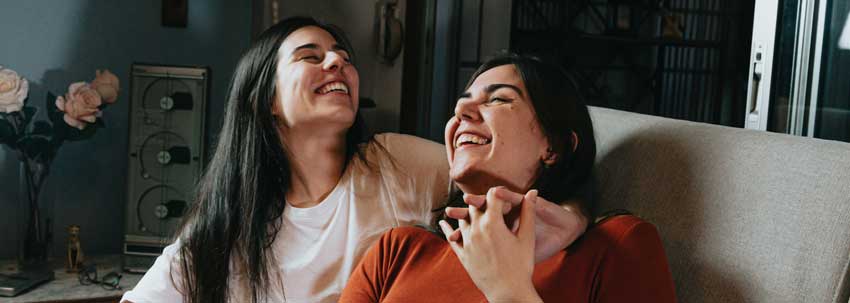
{"x":310,"y":58}
{"x":499,"y":100}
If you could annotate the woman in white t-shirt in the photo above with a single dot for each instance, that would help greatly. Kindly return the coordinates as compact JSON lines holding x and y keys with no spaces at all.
{"x":294,"y":195}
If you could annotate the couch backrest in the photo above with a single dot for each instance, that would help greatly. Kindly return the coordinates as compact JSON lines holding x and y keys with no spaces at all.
{"x":745,"y":216}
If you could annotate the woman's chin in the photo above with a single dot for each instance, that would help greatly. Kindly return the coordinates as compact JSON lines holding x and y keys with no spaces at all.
{"x":479,"y":181}
{"x":339,"y":116}
{"x":471,"y":189}
{"x":472,"y":181}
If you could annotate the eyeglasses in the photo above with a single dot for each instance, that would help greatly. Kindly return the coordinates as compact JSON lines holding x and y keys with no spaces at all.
{"x":88,"y":276}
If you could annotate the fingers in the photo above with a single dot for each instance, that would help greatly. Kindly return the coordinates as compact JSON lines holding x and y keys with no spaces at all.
{"x":456,"y":246}
{"x":513,"y":198}
{"x":457,"y":212}
{"x":494,"y":203}
{"x":526,"y":228}
{"x":447,"y":229}
{"x":463,"y":227}
{"x":475,"y":212}
{"x":501,"y":192}
{"x":454,"y":236}
{"x":476,"y":200}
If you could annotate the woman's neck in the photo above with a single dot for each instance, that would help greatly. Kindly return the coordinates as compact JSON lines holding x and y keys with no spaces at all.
{"x":317,"y":161}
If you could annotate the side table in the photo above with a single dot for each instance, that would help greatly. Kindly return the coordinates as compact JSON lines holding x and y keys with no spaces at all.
{"x":66,"y":287}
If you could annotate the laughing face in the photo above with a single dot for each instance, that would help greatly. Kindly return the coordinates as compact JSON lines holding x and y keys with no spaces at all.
{"x":316,"y":83}
{"x":494,"y":137}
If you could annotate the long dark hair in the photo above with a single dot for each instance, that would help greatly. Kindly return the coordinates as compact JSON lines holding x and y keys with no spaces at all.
{"x":241,"y":196}
{"x":560,"y":110}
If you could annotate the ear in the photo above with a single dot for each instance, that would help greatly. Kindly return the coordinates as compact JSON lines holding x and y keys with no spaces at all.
{"x":574,"y":140}
{"x":551,"y":156}
{"x":275,"y":106}
{"x":277,"y":112}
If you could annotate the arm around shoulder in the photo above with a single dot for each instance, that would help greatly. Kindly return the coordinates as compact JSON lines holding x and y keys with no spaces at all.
{"x":419,"y":169}
{"x":414,"y":154}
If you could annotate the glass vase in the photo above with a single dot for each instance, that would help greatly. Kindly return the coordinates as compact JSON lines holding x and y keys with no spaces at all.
{"x":34,"y":244}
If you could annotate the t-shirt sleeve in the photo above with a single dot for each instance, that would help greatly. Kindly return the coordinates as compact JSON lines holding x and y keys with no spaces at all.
{"x":635,"y":269}
{"x":418,"y":172}
{"x":158,"y":283}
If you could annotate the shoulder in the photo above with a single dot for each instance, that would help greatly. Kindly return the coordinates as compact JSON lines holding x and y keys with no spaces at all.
{"x":408,"y":235}
{"x":400,"y":145}
{"x":623,"y":225}
{"x":395,"y":139}
{"x":406,"y":154}
{"x":625,"y":232}
{"x":411,"y":240}
{"x":632,"y":265}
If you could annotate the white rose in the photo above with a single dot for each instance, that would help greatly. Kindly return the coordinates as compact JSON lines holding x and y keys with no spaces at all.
{"x":13,"y":90}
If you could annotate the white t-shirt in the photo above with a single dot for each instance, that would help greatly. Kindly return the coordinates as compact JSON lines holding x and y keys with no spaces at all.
{"x":318,"y":247}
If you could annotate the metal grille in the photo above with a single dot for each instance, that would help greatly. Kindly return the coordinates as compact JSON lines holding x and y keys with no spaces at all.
{"x":681,"y":59}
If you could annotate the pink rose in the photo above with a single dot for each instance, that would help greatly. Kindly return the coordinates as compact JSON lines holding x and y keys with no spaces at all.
{"x":13,"y":90}
{"x":106,"y":84}
{"x":80,"y":105}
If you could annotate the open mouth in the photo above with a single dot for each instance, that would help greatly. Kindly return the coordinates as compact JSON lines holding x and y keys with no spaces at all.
{"x":333,"y":87}
{"x":467,"y":139}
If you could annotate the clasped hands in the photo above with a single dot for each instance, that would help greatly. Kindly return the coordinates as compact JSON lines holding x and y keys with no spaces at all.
{"x":502,"y":234}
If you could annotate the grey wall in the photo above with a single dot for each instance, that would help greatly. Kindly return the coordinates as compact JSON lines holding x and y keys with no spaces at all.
{"x":55,"y":43}
{"x":378,"y":81}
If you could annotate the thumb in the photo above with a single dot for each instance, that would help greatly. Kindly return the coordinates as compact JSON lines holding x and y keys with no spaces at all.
{"x":526,"y":228}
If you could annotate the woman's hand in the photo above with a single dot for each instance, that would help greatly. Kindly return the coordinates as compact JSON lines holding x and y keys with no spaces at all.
{"x":556,"y":226}
{"x":499,"y":261}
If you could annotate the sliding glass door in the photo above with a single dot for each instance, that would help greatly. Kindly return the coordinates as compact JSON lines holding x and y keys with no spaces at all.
{"x":799,"y":80}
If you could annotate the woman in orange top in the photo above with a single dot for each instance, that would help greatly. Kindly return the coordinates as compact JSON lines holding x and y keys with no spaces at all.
{"x":521,"y":127}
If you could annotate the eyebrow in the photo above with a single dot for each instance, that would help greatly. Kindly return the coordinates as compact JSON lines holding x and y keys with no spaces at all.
{"x":335,"y":47}
{"x":489,"y":89}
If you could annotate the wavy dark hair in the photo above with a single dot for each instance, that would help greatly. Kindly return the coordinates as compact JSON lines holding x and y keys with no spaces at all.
{"x":560,"y":110}
{"x":241,"y":195}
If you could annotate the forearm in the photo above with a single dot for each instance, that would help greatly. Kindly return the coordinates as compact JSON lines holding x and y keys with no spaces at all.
{"x":582,"y":213}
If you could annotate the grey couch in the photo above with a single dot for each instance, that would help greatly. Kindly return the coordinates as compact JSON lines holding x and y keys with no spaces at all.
{"x":745,"y":216}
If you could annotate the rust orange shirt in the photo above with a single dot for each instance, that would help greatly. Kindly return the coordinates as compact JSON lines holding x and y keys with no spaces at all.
{"x":620,"y":259}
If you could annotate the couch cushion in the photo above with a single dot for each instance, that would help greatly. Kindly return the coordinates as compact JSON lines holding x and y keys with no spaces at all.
{"x":745,"y":216}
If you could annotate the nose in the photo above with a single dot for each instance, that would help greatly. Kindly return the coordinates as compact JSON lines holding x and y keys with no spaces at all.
{"x":333,"y":61}
{"x":467,"y":109}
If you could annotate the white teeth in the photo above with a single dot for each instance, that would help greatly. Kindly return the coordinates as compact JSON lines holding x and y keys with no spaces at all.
{"x":470,"y":138}
{"x":333,"y":86}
